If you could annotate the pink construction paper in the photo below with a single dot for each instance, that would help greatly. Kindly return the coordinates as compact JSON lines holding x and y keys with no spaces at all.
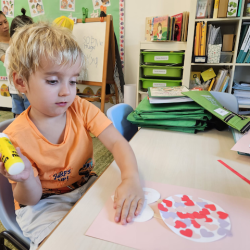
{"x":242,"y":144}
{"x":155,"y":234}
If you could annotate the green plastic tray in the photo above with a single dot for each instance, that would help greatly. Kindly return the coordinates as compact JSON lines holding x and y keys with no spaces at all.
{"x":163,"y":57}
{"x":146,"y":83}
{"x":161,"y":71}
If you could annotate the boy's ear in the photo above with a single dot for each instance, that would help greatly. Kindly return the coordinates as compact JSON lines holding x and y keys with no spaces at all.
{"x":19,"y":83}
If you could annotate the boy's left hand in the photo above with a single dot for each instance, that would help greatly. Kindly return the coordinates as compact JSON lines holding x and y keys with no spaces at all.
{"x":128,"y":200}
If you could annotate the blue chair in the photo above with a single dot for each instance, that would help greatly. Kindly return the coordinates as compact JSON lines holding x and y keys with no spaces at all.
{"x":227,"y":100}
{"x":13,"y":232}
{"x":118,"y":115}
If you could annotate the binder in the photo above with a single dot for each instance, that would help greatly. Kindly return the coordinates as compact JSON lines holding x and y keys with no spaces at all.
{"x":245,"y":51}
{"x":239,"y":8}
{"x":238,"y":60}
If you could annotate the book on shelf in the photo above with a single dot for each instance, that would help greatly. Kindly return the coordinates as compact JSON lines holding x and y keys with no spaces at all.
{"x":216,"y":7}
{"x":178,"y":26}
{"x":201,"y":8}
{"x":173,"y":29}
{"x":239,"y":8}
{"x":232,"y":8}
{"x":210,"y":5}
{"x":226,"y":84}
{"x":223,"y":6}
{"x":240,"y":56}
{"x":186,"y":26}
{"x":220,"y":79}
{"x":160,"y":28}
{"x":211,"y":84}
{"x":149,"y":29}
{"x":247,"y":56}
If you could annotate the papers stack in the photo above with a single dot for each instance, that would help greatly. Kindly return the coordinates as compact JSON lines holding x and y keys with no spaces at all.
{"x":242,"y":93}
{"x":168,"y":95}
{"x":188,"y":117}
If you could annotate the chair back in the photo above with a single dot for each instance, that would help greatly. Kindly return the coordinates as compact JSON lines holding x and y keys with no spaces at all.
{"x":227,"y":100}
{"x":118,"y":115}
{"x":7,"y":210}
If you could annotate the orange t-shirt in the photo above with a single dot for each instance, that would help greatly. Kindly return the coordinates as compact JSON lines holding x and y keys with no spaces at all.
{"x":61,"y":167}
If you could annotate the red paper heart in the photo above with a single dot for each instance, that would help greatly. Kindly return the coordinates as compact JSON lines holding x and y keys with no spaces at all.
{"x":190,"y":216}
{"x":189,"y":203}
{"x":162,"y":208}
{"x":204,"y":211}
{"x":198,"y":216}
{"x":182,"y":216}
{"x":222,"y":215}
{"x":195,"y":224}
{"x":185,"y":198}
{"x":187,"y":232}
{"x":211,"y":207}
{"x":179,"y":224}
{"x":209,"y":219}
{"x":168,"y":203}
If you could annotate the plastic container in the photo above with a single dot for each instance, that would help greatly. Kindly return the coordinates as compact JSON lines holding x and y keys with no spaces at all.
{"x":12,"y":161}
{"x":161,"y":71}
{"x":226,"y":57}
{"x":163,"y":57}
{"x":146,"y":83}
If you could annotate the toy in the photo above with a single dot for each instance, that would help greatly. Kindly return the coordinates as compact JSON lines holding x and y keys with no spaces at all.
{"x":103,"y":12}
{"x":84,"y":13}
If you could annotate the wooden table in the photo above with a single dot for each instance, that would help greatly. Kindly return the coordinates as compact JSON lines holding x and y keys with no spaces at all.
{"x":167,"y":157}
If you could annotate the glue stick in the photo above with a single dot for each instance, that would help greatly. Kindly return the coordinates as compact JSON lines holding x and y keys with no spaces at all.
{"x":10,"y":158}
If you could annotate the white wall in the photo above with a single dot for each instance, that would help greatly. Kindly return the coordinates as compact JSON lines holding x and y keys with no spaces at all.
{"x":136,"y":12}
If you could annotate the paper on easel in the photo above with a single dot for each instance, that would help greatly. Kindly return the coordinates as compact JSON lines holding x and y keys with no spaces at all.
{"x":130,"y":95}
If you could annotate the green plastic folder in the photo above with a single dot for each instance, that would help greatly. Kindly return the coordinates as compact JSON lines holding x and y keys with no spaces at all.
{"x":206,"y":100}
{"x":145,"y":107}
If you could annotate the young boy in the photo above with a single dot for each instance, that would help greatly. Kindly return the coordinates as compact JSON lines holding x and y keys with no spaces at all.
{"x":52,"y":135}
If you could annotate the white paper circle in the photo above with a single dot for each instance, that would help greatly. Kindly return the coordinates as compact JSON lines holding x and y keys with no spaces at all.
{"x":151,"y":195}
{"x":145,"y":215}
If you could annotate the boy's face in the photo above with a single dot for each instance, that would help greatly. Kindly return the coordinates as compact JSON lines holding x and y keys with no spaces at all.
{"x":52,"y":88}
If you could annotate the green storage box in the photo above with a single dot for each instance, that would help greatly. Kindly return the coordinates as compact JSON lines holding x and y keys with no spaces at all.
{"x":163,"y":57}
{"x":161,"y":71}
{"x":146,"y":83}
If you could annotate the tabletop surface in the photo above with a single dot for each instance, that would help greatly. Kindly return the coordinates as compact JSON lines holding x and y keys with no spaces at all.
{"x":176,"y":158}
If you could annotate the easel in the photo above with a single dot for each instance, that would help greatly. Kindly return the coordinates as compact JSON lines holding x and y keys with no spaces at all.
{"x":108,"y":64}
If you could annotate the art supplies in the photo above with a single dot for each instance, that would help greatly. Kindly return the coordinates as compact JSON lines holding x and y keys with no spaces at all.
{"x":227,"y":213}
{"x":208,"y":74}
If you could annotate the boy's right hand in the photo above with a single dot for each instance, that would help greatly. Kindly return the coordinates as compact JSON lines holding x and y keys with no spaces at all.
{"x":23,"y":176}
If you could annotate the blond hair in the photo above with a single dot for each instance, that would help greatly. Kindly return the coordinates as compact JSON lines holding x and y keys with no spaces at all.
{"x":32,"y":42}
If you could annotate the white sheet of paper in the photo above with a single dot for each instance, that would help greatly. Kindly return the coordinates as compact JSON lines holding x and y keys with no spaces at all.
{"x":151,"y":195}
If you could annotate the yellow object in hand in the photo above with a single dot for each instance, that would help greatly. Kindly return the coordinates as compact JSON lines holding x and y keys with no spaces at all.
{"x":10,"y":158}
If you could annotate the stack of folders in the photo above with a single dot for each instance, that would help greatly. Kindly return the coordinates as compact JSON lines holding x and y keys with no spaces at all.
{"x":188,"y":117}
{"x":158,"y":95}
{"x":221,"y":81}
{"x":242,"y":93}
{"x":244,"y":44}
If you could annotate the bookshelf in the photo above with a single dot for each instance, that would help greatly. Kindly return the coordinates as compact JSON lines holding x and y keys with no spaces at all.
{"x":239,"y":71}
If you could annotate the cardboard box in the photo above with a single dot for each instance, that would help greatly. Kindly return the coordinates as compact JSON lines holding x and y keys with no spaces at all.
{"x":228,"y":41}
{"x":223,"y":6}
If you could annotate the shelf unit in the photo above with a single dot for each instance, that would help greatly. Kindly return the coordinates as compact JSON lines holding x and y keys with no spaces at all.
{"x":156,"y":46}
{"x":229,"y":25}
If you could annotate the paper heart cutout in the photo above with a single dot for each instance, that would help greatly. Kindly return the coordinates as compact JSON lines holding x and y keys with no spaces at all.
{"x":179,"y":204}
{"x":168,"y":203}
{"x":187,"y":232}
{"x":196,"y":236}
{"x":182,"y":216}
{"x":187,"y":222}
{"x":209,"y":219}
{"x":205,"y":233}
{"x":180,"y":224}
{"x":204,"y":211}
{"x":162,"y":208}
{"x":201,"y":221}
{"x":188,"y":202}
{"x":222,"y":215}
{"x":223,"y":231}
{"x":167,"y":215}
{"x":197,"y":215}
{"x":201,"y":204}
{"x":223,"y":223}
{"x":177,"y":198}
{"x":195,"y":224}
{"x":215,"y":215}
{"x":211,"y":207}
{"x":170,"y":221}
{"x":211,"y":227}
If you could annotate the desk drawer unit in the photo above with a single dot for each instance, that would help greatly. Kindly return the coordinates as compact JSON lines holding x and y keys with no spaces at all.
{"x":146,"y":83}
{"x":161,"y":71}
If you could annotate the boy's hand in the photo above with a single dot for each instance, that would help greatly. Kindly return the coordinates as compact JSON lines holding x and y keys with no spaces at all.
{"x":128,"y":200}
{"x":23,"y":176}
